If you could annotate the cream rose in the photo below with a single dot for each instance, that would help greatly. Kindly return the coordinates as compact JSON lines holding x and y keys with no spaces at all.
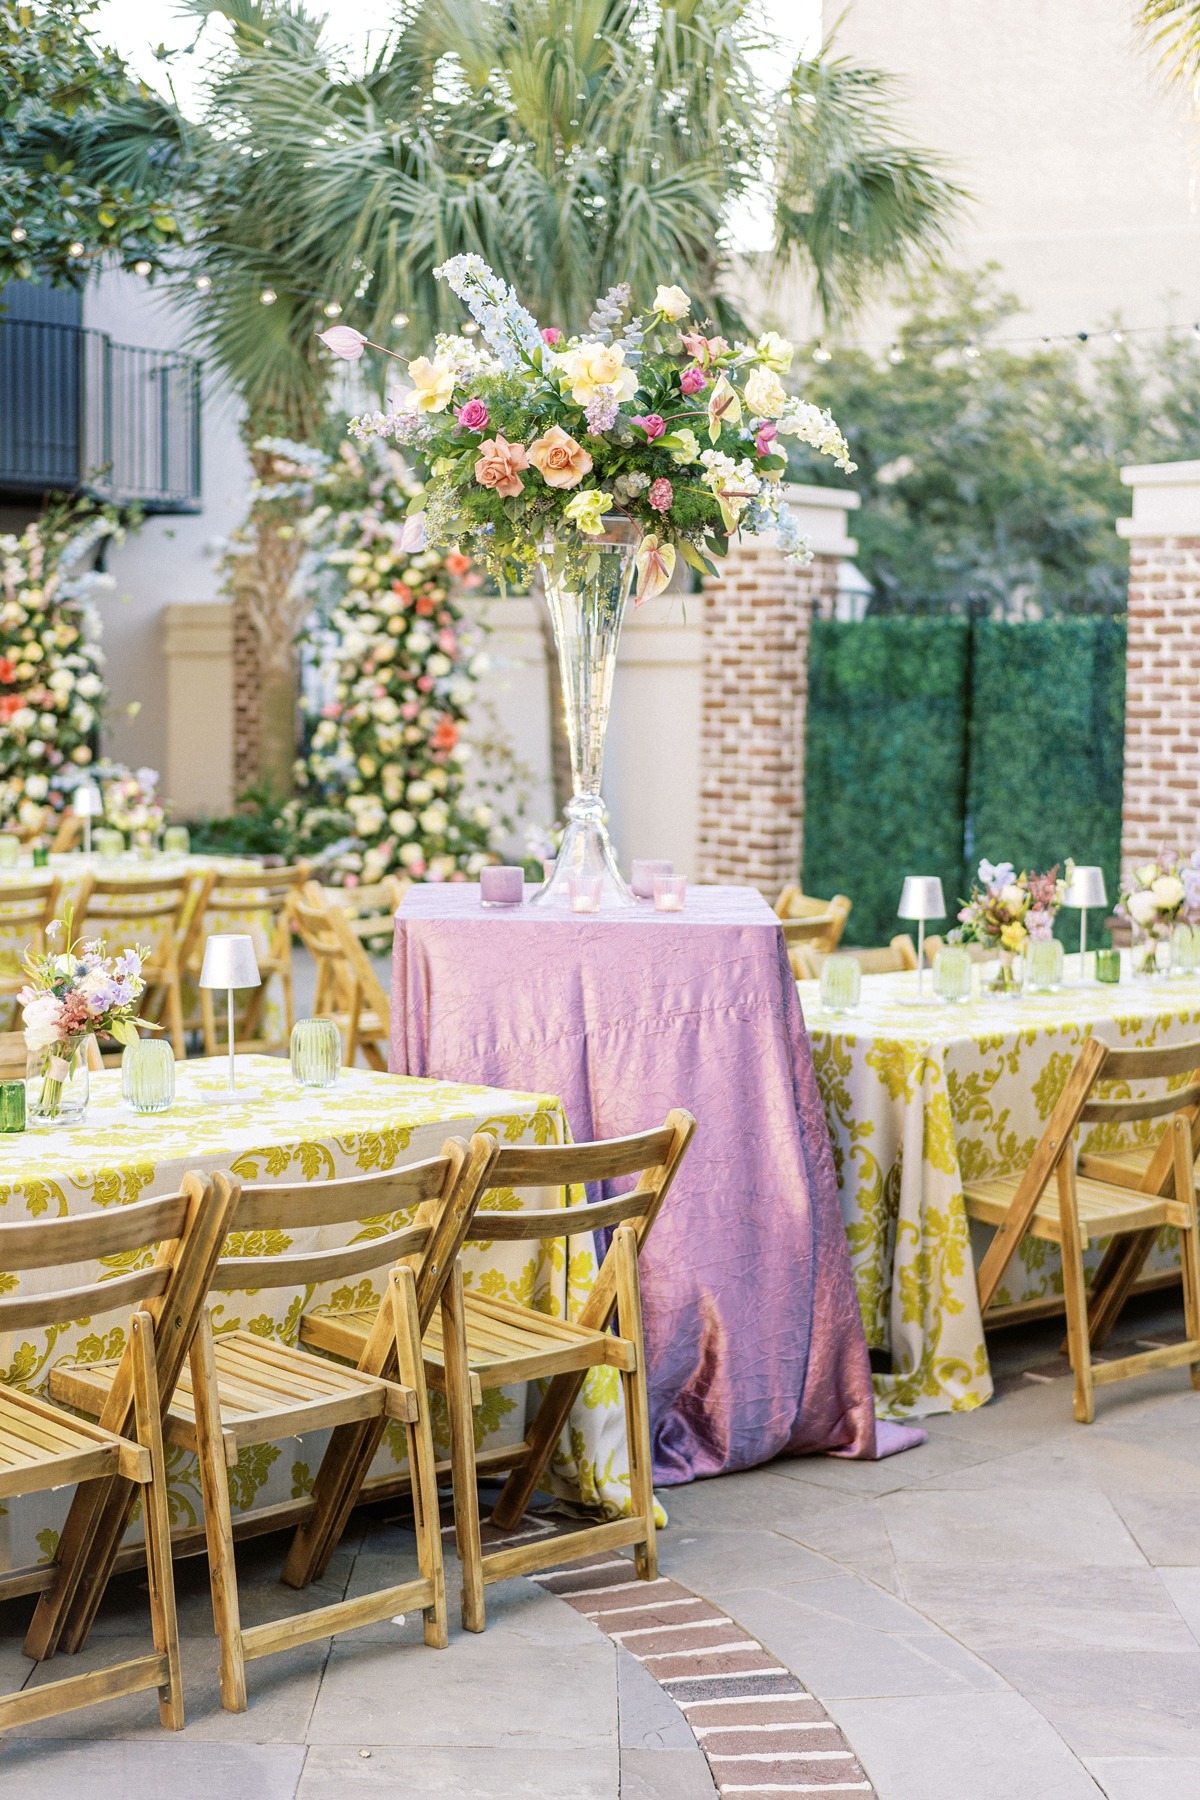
{"x":672,"y":303}
{"x":765,"y":394}
{"x":433,"y":383}
{"x":775,"y":351}
{"x":1167,"y":890}
{"x":1143,"y":907}
{"x":593,"y":366}
{"x":561,"y":462}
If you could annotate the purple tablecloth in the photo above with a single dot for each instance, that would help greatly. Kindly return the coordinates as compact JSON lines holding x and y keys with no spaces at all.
{"x":754,"y":1340}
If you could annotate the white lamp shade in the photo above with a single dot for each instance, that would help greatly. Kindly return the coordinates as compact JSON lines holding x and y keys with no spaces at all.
{"x":230,"y":962}
{"x":87,"y":802}
{"x":1086,"y":887}
{"x":922,"y":898}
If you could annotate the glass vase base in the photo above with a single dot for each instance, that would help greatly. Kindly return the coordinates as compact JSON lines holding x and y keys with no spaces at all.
{"x":586,"y":851}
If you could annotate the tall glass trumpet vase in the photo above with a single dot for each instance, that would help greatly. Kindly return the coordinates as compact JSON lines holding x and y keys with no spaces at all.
{"x":586,"y":595}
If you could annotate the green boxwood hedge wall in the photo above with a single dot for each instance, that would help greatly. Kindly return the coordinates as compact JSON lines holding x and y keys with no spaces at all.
{"x":885,"y":770}
{"x":932,"y":742}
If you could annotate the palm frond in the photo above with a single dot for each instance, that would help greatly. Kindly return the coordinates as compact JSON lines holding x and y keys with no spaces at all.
{"x":1173,"y":28}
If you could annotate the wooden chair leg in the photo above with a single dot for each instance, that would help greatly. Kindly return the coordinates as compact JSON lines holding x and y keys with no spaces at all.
{"x":1075,"y":1292}
{"x":155,"y":1519}
{"x":542,"y":1436}
{"x":637,"y":1409}
{"x":353,"y":1010}
{"x":208,"y":1022}
{"x":218,"y":1518}
{"x":1189,"y":1248}
{"x":421,"y":1460}
{"x":462,"y":1453}
{"x":174,"y":1000}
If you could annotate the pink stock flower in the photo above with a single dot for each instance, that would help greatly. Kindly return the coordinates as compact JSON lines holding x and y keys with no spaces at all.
{"x":661,"y":495}
{"x":473,"y":416}
{"x":344,"y":341}
{"x":651,"y":423}
{"x":551,"y":335}
{"x":692,"y":380}
{"x":765,"y":436}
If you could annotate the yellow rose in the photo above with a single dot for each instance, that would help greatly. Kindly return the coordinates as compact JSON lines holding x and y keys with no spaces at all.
{"x":766,"y":395}
{"x":433,"y":383}
{"x":688,"y":450}
{"x":587,"y":510}
{"x":672,"y":303}
{"x":1013,"y":936}
{"x":593,"y":366}
{"x":775,"y":351}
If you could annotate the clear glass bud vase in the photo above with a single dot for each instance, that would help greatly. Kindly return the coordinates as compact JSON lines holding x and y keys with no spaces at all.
{"x":586,"y":591}
{"x":56,"y":1084}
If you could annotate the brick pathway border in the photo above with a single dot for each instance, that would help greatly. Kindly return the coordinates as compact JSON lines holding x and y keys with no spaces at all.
{"x":759,"y":1727}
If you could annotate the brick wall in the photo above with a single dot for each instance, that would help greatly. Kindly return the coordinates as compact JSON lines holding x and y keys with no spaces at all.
{"x":754,"y":690}
{"x":1162,"y":682}
{"x":247,"y":713}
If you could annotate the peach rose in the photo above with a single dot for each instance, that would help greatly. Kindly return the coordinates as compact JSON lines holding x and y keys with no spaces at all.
{"x":562,"y":462}
{"x":498,"y":464}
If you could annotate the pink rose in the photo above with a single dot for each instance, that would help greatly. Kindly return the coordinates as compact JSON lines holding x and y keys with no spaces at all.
{"x":661,"y":495}
{"x":551,"y":335}
{"x":696,"y":344}
{"x":692,"y":380}
{"x":765,"y":436}
{"x":498,"y":464}
{"x":473,"y":416}
{"x":651,"y":424}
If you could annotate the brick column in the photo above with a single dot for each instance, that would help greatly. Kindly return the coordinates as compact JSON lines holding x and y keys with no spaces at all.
{"x":247,"y":711}
{"x":754,"y":690}
{"x":1162,"y":671}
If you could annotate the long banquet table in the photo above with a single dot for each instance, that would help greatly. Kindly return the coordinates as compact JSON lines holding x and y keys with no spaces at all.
{"x":919,"y":1098}
{"x":754,"y":1343}
{"x":367,"y":1122}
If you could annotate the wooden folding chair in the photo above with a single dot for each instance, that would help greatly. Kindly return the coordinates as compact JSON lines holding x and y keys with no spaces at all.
{"x":370,"y":910}
{"x":348,"y":990}
{"x":1084,"y":1209}
{"x":68,"y":834}
{"x":125,"y":910}
{"x":189,"y":1228}
{"x":809,"y":923}
{"x":261,"y":891}
{"x":13,"y":1056}
{"x":890,"y":959}
{"x":498,"y":1343}
{"x":245,"y":1389}
{"x":27,"y":908}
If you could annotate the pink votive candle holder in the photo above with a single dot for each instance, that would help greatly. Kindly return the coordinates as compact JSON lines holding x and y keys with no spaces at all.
{"x":585,"y":892}
{"x":501,"y":886}
{"x":644,"y":871}
{"x":670,"y":892}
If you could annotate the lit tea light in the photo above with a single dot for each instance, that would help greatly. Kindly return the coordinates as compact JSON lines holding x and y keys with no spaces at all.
{"x":585,"y":892}
{"x":670,"y":892}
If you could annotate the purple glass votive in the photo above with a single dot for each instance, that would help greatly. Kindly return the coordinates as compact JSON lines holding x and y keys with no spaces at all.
{"x":501,"y":886}
{"x":644,"y":871}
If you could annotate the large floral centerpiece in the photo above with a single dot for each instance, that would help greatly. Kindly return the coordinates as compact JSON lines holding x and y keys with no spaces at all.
{"x":1154,"y":902}
{"x":1007,"y":911}
{"x":51,"y":688}
{"x":70,"y":995}
{"x":600,"y":458}
{"x":132,"y":805}
{"x":392,"y":664}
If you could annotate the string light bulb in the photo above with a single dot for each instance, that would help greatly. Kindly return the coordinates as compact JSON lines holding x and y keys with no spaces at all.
{"x":75,"y":249}
{"x":268,"y":296}
{"x":470,"y":328}
{"x":142,"y":267}
{"x":19,"y":234}
{"x":896,"y":354}
{"x":1117,"y":335}
{"x":970,"y":351}
{"x":399,"y":320}
{"x":203,"y":283}
{"x":822,"y":354}
{"x":1196,"y":332}
{"x":332,"y":309}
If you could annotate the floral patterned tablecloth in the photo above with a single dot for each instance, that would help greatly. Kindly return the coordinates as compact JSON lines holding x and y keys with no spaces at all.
{"x":920,"y":1098}
{"x":366,"y":1122}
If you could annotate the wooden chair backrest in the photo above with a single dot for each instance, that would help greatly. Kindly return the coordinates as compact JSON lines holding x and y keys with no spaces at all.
{"x":59,"y":1243}
{"x":128,"y":899}
{"x":889,"y":959}
{"x":369,"y":909}
{"x":935,"y":942}
{"x":13,"y":1053}
{"x":818,"y":924}
{"x":257,"y":890}
{"x":654,"y":1156}
{"x":441,"y":1190}
{"x":328,"y":936}
{"x":31,"y":903}
{"x":69,"y":832}
{"x":313,"y":919}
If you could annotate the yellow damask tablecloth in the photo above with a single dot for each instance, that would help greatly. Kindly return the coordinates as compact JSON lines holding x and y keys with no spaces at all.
{"x":367,"y":1122}
{"x":921,"y":1098}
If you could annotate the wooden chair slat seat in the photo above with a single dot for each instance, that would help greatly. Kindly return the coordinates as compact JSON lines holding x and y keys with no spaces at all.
{"x":1124,"y":1198}
{"x":481,"y":1341}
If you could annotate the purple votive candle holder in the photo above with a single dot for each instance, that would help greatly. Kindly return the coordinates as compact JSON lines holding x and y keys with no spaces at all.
{"x":644,"y":871}
{"x":501,"y":886}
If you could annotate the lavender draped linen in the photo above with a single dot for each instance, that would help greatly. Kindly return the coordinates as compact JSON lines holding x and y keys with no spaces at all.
{"x":754,"y":1341}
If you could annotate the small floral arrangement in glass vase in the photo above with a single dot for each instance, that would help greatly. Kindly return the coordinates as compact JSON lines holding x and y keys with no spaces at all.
{"x":1153,"y":904}
{"x":132,"y":805}
{"x":71,"y":994}
{"x":1007,"y":911}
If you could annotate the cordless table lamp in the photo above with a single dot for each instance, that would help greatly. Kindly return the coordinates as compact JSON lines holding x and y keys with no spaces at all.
{"x":87,"y":805}
{"x":921,"y":899}
{"x":1085,"y":888}
{"x":229,"y":963}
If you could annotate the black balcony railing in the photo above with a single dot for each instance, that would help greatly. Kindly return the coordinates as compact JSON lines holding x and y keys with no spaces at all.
{"x":79,"y":413}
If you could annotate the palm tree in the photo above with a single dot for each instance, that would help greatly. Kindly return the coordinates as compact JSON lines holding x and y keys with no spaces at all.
{"x":571,"y":143}
{"x":1173,"y":27}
